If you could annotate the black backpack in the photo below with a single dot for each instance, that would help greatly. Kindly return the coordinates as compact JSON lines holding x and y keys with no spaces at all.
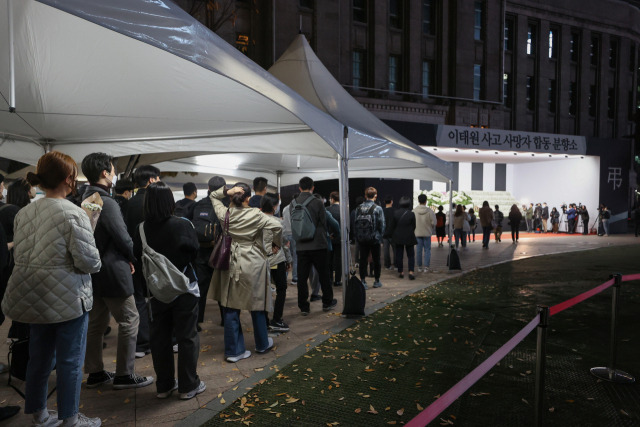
{"x":355,"y":298}
{"x":366,"y":224}
{"x":206,"y":223}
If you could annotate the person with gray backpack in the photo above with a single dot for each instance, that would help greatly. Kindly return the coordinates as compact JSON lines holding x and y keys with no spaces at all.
{"x":167,"y":247}
{"x":309,"y":229}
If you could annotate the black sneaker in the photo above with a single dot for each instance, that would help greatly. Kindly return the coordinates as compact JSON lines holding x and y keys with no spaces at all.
{"x":131,"y":381}
{"x":316,"y":298}
{"x":330,"y":306}
{"x":278,"y":326}
{"x":339,"y":284}
{"x":97,"y":378}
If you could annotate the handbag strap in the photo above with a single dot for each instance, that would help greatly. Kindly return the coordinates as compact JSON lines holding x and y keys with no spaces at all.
{"x":226,"y":222}
{"x":143,"y":238}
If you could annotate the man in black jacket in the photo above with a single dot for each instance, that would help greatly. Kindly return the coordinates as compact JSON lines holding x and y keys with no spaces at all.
{"x":387,"y":244}
{"x":124,"y":190}
{"x":313,"y":252}
{"x":203,"y":211}
{"x":112,"y":285}
{"x":259,"y":189}
{"x":143,"y":176}
{"x":184,"y":207}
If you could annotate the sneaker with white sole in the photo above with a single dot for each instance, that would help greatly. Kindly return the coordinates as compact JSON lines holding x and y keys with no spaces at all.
{"x":234,"y":359}
{"x":175,"y":348}
{"x":278,"y":326}
{"x":269,"y":347}
{"x":131,"y":381}
{"x":97,"y":378}
{"x":191,"y":394}
{"x":51,"y":421}
{"x":168,"y":393}
{"x":84,"y":421}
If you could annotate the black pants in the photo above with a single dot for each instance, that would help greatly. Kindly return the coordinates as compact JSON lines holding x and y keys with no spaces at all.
{"x":515,"y":231}
{"x":279,"y":276}
{"x":411,"y":257}
{"x":318,"y":259}
{"x":374,"y":249}
{"x":336,"y":262}
{"x":572,"y":225}
{"x":181,"y":317}
{"x":140,"y":296}
{"x":203,"y":273}
{"x":585,"y":225}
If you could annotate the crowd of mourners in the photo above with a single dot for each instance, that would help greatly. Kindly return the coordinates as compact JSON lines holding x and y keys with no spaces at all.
{"x":78,"y":257}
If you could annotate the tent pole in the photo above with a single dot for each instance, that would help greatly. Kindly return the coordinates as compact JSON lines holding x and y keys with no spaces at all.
{"x":12,"y":71}
{"x":278,"y":180}
{"x":343,"y":161}
{"x":450,"y":228}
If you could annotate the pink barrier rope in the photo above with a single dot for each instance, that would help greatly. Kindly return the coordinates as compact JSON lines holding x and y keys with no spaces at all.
{"x":630,"y":277}
{"x":443,"y":402}
{"x":579,"y":298}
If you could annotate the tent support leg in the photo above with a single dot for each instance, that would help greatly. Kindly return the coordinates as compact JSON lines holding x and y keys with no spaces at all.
{"x":12,"y":67}
{"x":343,"y":161}
{"x":278,"y":181}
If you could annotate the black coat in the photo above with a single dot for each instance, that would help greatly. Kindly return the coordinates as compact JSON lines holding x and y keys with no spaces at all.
{"x":7,"y":216}
{"x":403,"y":227}
{"x":135,"y":211}
{"x":114,"y":279}
{"x":174,"y":238}
{"x":334,"y":210}
{"x":184,"y":208}
{"x":388,"y":218}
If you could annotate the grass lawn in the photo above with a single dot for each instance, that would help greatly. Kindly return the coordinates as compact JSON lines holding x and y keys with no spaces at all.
{"x":387,"y":367}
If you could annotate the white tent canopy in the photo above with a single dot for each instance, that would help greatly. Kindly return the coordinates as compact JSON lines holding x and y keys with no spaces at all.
{"x":141,"y":77}
{"x":300,"y":69}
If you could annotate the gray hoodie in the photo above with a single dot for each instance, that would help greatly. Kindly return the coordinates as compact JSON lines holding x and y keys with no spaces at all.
{"x":425,"y":221}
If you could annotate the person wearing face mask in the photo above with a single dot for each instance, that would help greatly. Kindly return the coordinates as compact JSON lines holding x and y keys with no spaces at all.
{"x":50,"y":289}
{"x":112,"y":285}
{"x":123,"y":190}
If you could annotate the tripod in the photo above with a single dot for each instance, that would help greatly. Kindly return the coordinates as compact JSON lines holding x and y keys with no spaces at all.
{"x":598,"y":220}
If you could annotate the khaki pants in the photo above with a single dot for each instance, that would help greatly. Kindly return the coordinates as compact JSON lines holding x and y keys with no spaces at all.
{"x":544,"y":225}
{"x":125,"y":313}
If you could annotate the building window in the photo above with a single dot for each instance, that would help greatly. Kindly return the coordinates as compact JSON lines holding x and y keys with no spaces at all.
{"x":359,"y":69}
{"x":530,"y":93}
{"x":531,"y":39}
{"x":427,"y":17}
{"x":573,"y":98}
{"x":611,"y":103}
{"x":593,"y":94}
{"x":554,"y":42}
{"x":307,"y":4}
{"x":506,"y":90}
{"x":395,"y":82}
{"x":552,"y":96}
{"x":427,"y":76}
{"x":477,"y":82}
{"x":509,"y":24}
{"x":613,"y":54}
{"x":479,"y":17}
{"x":594,"y":47}
{"x":574,"y":48}
{"x":360,"y":11}
{"x":395,"y":13}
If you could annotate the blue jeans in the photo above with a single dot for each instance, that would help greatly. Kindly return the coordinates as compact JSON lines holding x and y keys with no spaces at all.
{"x":605,"y":225}
{"x":60,"y":345}
{"x":424,"y":247}
{"x":459,"y":234}
{"x":233,"y":336}
{"x":486,"y":235}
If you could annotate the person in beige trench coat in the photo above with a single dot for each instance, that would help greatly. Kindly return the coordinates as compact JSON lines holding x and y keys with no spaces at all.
{"x":245,"y":285}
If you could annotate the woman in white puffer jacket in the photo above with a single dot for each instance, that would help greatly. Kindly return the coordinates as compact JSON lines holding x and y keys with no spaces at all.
{"x":50,"y":289}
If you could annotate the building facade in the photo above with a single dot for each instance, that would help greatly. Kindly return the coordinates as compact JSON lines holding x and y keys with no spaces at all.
{"x":566,"y":67}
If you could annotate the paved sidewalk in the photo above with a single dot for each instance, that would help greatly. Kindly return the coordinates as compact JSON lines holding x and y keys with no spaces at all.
{"x":140,"y":407}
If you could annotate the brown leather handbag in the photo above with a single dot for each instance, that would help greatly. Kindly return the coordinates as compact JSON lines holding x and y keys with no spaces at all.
{"x":221,"y":253}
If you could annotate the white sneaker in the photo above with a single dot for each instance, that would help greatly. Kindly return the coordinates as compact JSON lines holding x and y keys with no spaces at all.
{"x":191,"y":394}
{"x":175,"y":348}
{"x":234,"y":359}
{"x":269,"y":347}
{"x":50,"y":421}
{"x":84,"y":421}
{"x":169,"y":392}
